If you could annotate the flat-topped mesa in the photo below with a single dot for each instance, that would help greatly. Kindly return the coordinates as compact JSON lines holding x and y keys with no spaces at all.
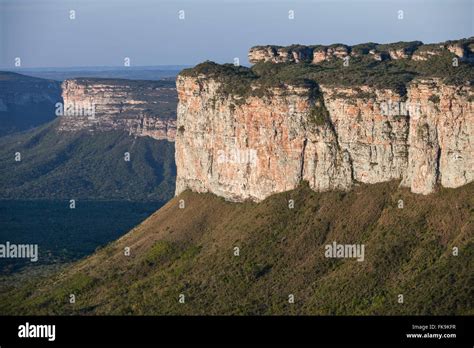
{"x":246,"y":133}
{"x":141,"y":108}
{"x":416,"y":50}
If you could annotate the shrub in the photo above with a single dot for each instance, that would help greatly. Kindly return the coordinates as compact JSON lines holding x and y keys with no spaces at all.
{"x":434,"y":99}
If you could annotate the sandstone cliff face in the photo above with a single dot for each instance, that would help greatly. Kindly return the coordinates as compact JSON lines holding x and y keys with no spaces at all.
{"x":249,"y":151}
{"x":262,"y":145}
{"x":142,"y":108}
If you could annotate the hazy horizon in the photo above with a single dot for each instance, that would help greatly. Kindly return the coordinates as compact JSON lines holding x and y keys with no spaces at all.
{"x":151,"y":33}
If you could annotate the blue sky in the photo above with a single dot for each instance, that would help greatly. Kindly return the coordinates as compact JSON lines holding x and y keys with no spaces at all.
{"x":150,"y":32}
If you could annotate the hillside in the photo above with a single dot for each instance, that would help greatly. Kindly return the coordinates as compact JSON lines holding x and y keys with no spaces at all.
{"x":26,"y":102}
{"x":83,"y":165}
{"x":190,"y":251}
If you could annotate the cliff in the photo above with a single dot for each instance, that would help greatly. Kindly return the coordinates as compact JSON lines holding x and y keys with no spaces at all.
{"x":249,"y":133}
{"x":85,"y":166}
{"x":282,"y":251}
{"x":142,"y":108}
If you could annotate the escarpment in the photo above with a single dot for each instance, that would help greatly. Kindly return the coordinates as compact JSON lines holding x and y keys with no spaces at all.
{"x":141,"y":108}
{"x":246,"y":133}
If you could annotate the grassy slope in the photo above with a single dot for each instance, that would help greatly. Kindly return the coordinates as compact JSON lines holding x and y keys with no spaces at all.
{"x":30,"y":101}
{"x":190,"y":251}
{"x":85,"y":166}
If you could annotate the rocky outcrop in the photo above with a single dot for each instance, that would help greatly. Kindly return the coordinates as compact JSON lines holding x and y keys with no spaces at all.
{"x":333,"y":137}
{"x":324,"y":53}
{"x":416,"y":50}
{"x":216,"y":140}
{"x":142,"y":108}
{"x":278,"y":54}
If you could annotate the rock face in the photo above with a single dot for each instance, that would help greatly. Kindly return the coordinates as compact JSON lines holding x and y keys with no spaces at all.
{"x":332,"y":137}
{"x":142,"y":108}
{"x":464,"y":49}
{"x":253,"y":150}
{"x":441,"y":136}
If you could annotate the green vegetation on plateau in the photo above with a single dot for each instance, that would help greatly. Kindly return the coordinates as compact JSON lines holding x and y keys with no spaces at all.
{"x":190,"y":251}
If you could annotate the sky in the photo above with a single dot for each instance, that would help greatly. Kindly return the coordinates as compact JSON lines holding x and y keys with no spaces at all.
{"x":150,"y":32}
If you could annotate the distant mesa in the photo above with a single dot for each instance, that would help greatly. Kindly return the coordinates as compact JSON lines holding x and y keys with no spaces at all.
{"x":416,"y":50}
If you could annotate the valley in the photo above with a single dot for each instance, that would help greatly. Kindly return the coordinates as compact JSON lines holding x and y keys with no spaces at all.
{"x":298,"y":173}
{"x":26,"y":102}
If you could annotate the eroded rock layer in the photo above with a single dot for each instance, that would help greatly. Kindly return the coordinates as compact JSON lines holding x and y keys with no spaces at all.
{"x":333,"y":137}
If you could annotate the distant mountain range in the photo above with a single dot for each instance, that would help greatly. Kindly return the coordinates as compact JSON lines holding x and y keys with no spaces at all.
{"x":133,"y":73}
